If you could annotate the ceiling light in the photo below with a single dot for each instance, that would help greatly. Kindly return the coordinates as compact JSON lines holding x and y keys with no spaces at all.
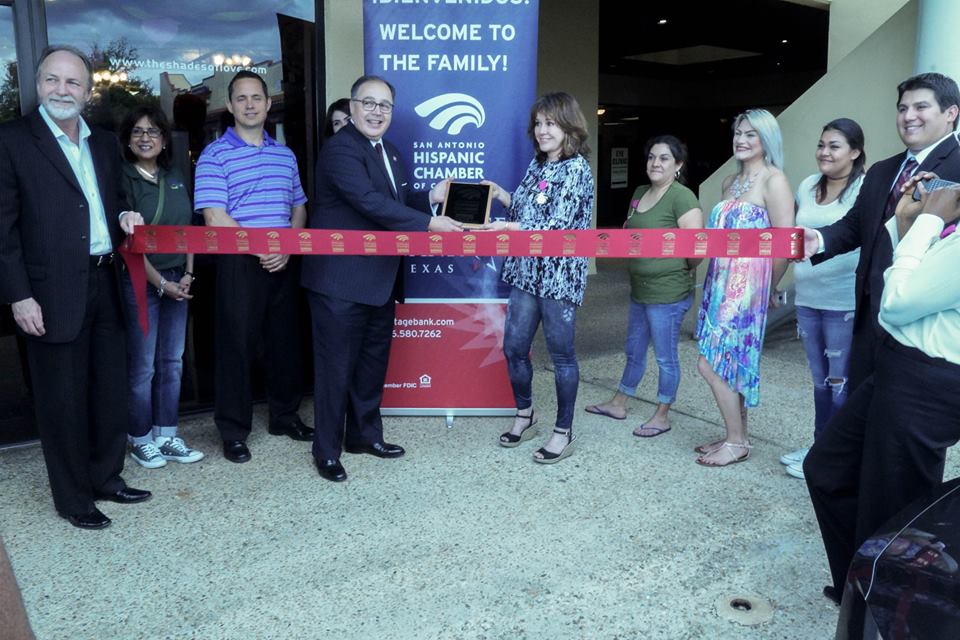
{"x":662,"y":21}
{"x":601,"y":111}
{"x":784,"y":41}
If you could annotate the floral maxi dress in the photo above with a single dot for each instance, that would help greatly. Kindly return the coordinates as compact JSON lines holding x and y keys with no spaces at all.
{"x":733,"y":313}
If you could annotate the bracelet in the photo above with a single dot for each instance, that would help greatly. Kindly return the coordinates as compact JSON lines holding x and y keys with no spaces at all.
{"x":163,"y":283}
{"x":190,"y":273}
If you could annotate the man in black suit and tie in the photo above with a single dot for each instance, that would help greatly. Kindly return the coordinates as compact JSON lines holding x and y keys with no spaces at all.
{"x":839,"y":469}
{"x":61,"y":222}
{"x":927,"y":106}
{"x":361,"y":185}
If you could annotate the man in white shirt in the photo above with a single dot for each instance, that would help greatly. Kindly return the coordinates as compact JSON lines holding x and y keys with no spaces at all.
{"x":897,"y":425}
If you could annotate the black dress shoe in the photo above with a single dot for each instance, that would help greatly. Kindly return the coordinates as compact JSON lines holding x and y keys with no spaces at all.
{"x":831,"y":594}
{"x":236,"y":451}
{"x":332,"y":470}
{"x":379,"y":449}
{"x":93,"y":520}
{"x":296,"y":430}
{"x":127,"y":495}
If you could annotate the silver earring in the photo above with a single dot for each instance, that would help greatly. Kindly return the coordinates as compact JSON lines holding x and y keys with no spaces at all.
{"x":678,"y":174}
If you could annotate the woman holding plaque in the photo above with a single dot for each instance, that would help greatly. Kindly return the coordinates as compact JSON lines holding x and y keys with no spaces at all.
{"x":155,"y":360}
{"x":555,"y":194}
{"x":661,"y":289}
{"x":736,"y":291}
{"x":825,"y":294}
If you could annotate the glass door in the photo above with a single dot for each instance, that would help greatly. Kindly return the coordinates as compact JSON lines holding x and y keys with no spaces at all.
{"x":16,"y":409}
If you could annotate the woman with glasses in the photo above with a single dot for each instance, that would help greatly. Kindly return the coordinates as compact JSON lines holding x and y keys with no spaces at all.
{"x":556,"y":193}
{"x":155,"y":361}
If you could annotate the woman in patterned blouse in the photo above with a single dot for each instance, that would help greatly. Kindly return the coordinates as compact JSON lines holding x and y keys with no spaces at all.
{"x":556,"y":193}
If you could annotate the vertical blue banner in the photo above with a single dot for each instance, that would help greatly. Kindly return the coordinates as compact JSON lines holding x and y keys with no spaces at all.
{"x":466,"y":76}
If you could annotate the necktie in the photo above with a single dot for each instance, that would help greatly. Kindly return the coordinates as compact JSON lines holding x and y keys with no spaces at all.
{"x":894,"y":196}
{"x":950,"y":228}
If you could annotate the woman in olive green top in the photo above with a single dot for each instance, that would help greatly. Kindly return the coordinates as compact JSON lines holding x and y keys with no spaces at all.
{"x":661,"y":289}
{"x":155,"y":360}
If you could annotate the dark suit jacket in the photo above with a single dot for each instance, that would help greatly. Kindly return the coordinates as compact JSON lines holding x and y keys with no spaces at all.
{"x":862,"y":226}
{"x":354,"y":192}
{"x":45,"y":221}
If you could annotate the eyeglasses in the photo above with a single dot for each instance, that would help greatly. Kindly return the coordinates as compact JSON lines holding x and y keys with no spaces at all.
{"x":153,"y":132}
{"x":369,"y":104}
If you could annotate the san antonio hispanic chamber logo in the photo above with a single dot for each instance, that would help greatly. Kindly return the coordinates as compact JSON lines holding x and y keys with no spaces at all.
{"x":451,"y":112}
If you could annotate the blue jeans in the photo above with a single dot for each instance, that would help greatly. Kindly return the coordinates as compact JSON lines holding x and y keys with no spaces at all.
{"x":155,"y":360}
{"x":525,"y":311}
{"x":826,"y":338}
{"x":661,"y":323}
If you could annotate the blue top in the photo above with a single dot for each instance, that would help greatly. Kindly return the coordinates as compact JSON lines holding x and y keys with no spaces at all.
{"x":552,"y":196}
{"x":258,"y":186}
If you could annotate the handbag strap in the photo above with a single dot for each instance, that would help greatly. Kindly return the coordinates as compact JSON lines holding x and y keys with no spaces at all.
{"x":163,"y":190}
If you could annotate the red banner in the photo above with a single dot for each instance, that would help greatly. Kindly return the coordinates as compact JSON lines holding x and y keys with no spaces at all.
{"x":425,"y":339}
{"x":600,"y":243}
{"x":609,"y":243}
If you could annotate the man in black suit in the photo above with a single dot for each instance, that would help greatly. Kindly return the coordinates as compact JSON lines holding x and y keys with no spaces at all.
{"x":61,"y":222}
{"x":361,"y":184}
{"x":927,"y":106}
{"x":839,"y":468}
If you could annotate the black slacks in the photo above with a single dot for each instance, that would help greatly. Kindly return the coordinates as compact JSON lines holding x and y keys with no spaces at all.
{"x":253,"y":304}
{"x":351,"y":347}
{"x":884,"y":449}
{"x":80,"y":400}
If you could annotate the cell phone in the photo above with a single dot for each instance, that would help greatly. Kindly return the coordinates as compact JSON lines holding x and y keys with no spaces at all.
{"x":932,"y":185}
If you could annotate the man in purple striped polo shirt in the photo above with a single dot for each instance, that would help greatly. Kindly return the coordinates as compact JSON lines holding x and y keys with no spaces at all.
{"x":248,"y":179}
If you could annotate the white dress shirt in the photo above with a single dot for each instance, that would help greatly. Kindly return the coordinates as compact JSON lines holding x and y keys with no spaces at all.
{"x":920,"y":307}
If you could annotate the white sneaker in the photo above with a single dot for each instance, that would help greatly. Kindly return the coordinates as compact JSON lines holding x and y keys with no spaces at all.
{"x":794,"y":457}
{"x":795,"y":470}
{"x":176,"y":449}
{"x":147,"y":455}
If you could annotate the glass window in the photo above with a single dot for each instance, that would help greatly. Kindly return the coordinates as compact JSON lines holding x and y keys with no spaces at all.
{"x":180,"y":55}
{"x":9,"y":90}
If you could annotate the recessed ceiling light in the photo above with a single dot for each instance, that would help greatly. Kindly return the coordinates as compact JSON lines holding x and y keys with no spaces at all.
{"x":784,"y":41}
{"x":662,"y":21}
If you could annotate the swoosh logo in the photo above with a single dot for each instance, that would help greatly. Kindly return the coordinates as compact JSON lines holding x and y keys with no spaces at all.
{"x":451,"y":112}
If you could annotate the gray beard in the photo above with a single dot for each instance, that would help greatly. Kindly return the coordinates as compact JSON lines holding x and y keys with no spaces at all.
{"x":58,"y":112}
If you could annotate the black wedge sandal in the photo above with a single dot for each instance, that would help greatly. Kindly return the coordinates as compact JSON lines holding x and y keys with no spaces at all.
{"x":543,"y":456}
{"x":511,"y":440}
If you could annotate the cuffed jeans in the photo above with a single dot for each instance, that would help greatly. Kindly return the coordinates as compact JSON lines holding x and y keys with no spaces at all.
{"x":525,"y":312}
{"x":155,"y":360}
{"x":826,"y":338}
{"x":661,"y":324}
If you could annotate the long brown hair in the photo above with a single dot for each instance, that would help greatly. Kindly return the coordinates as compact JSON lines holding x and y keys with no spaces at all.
{"x":565,"y":111}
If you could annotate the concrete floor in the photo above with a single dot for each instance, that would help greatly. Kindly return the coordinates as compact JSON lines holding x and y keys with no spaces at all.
{"x":460,"y":539}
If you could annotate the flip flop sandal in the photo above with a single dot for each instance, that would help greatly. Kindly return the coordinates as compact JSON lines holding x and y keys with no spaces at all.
{"x":597,"y":411}
{"x":657,"y":431}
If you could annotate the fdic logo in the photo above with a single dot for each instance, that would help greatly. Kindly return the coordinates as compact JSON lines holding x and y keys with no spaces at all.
{"x":451,"y":112}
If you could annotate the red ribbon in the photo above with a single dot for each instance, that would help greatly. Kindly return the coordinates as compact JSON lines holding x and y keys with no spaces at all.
{"x":599,"y":243}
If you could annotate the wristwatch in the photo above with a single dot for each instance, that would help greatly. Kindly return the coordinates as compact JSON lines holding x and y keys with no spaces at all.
{"x":163,"y":283}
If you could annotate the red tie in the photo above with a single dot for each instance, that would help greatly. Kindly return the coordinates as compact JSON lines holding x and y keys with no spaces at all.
{"x":379,"y":148}
{"x":894,"y":196}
